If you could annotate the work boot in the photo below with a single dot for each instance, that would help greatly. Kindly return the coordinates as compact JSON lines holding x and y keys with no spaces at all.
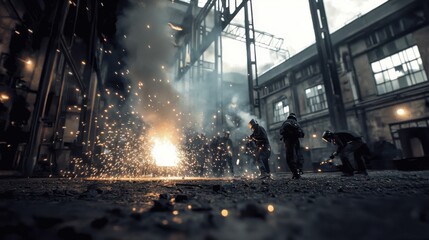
{"x":347,"y":174}
{"x":296,"y":176}
{"x":363,"y":172}
{"x":264,"y":176}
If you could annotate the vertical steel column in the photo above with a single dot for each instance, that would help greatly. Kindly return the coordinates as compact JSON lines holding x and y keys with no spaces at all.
{"x":328,"y":65}
{"x":252,"y":69}
{"x":30,"y":157}
{"x":86,"y":125}
{"x":218,"y":68}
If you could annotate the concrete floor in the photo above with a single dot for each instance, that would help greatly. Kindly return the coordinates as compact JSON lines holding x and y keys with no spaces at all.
{"x":385,"y":205}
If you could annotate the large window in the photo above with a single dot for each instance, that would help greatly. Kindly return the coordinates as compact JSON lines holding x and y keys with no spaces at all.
{"x":400,"y":70}
{"x":281,"y":110}
{"x":316,"y":98}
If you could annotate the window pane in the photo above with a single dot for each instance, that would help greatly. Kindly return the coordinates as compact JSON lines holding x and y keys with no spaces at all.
{"x":392,"y":73}
{"x":403,"y":82}
{"x":419,"y":77}
{"x":316,"y":101}
{"x":395,"y":59}
{"x":281,"y":109}
{"x":405,"y":67}
{"x":402,"y":69}
{"x":376,"y":67}
{"x":379,"y":78}
{"x":286,"y":109}
{"x":386,"y":76}
{"x":415,"y":66}
{"x":381,"y":89}
{"x":395,"y":85}
{"x":416,"y":51}
{"x":410,"y":54}
{"x":401,"y":57}
{"x":409,"y":79}
{"x":386,"y":63}
{"x":388,"y":87}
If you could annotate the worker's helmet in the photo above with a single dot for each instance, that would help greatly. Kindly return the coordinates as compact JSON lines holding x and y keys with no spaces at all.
{"x":252,"y":123}
{"x":327,"y":136}
{"x":292,"y":116}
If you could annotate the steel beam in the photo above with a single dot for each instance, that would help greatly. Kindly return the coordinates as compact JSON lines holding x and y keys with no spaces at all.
{"x":328,"y":65}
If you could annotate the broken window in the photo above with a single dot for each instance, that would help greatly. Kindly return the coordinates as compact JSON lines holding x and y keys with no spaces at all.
{"x":400,"y":70}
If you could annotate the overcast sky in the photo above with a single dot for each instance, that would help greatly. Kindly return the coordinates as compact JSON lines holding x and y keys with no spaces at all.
{"x":291,"y":20}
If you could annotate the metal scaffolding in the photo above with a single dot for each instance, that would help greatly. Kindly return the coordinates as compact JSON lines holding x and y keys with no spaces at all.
{"x":202,"y":28}
{"x":262,"y":39}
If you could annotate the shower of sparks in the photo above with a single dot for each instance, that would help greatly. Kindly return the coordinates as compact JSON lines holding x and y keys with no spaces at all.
{"x":144,"y":133}
{"x":165,"y":153}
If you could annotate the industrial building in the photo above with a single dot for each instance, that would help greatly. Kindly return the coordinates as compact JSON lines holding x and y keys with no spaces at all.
{"x":62,"y":69}
{"x":382,"y":64}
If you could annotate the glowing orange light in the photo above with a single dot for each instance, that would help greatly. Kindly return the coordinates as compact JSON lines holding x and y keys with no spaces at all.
{"x":400,"y":111}
{"x":224,"y":213}
{"x":164,"y":152}
{"x":270,"y":208}
{"x":4,"y":96}
{"x":175,"y":27}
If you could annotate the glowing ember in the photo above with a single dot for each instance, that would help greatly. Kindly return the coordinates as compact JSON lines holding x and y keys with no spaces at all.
{"x":165,"y":153}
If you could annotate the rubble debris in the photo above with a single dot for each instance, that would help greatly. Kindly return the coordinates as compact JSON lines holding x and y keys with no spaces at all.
{"x":181,"y":198}
{"x":189,"y":185}
{"x":162,"y":205}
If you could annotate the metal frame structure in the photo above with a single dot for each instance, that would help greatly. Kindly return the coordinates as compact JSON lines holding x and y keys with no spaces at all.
{"x":199,"y":36}
{"x":262,"y":39}
{"x":58,"y":55}
{"x":328,"y":65}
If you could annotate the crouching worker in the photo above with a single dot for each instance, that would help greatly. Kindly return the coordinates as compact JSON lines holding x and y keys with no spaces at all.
{"x":348,"y":144}
{"x":263,"y":151}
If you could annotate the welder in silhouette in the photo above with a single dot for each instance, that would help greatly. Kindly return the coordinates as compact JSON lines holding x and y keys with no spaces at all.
{"x":225,"y":146}
{"x":203,"y":154}
{"x":290,"y":132}
{"x":216,"y":156}
{"x":348,"y":144}
{"x":263,"y":151}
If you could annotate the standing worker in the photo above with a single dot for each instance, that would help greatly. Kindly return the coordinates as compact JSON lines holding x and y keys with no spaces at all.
{"x":348,"y":143}
{"x":290,"y":132}
{"x":226,"y":150}
{"x":263,"y":151}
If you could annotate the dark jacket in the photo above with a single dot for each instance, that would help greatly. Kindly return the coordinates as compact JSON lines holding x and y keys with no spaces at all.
{"x":259,"y":136}
{"x":291,"y":130}
{"x":341,"y":139}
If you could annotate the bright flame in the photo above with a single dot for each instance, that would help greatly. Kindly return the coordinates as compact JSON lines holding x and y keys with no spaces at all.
{"x":165,"y":153}
{"x":175,"y":27}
